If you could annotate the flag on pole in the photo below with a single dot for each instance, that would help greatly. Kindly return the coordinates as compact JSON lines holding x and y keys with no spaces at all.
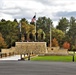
{"x":33,"y":19}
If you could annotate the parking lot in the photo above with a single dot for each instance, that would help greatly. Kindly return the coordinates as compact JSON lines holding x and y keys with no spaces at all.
{"x":14,"y":67}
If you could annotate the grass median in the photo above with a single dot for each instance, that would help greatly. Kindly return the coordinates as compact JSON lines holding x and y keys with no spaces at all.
{"x":54,"y":58}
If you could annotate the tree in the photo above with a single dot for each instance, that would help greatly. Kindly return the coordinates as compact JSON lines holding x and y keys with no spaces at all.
{"x":24,"y":20}
{"x":72,"y":21}
{"x":2,"y":42}
{"x":44,"y":23}
{"x":40,"y":31}
{"x":55,"y":43}
{"x":59,"y":35}
{"x":66,"y":45}
{"x":15,"y":20}
{"x":3,"y":20}
{"x":63,"y":24}
{"x":9,"y":31}
{"x":72,"y":31}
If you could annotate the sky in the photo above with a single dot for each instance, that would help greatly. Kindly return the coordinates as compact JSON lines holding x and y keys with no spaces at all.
{"x":53,"y":9}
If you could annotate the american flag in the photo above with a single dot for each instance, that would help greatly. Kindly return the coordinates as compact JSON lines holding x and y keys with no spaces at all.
{"x":33,"y":19}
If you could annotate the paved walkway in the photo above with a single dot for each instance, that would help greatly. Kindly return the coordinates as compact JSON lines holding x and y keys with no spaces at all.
{"x":15,"y":57}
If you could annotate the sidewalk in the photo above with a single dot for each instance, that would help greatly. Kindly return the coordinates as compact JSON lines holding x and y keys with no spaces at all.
{"x":15,"y":57}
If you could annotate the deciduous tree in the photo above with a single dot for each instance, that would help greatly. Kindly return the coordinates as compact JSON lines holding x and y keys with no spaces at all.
{"x":66,"y":45}
{"x":2,"y":42}
{"x":55,"y":42}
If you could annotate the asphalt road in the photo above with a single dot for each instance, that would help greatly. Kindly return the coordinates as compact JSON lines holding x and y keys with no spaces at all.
{"x":37,"y":68}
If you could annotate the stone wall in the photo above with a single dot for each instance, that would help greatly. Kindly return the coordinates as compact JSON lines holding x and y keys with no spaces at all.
{"x":35,"y":48}
{"x":30,"y":47}
{"x":9,"y":51}
{"x":57,"y":51}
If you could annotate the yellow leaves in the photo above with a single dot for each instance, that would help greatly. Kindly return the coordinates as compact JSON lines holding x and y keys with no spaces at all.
{"x":27,"y":28}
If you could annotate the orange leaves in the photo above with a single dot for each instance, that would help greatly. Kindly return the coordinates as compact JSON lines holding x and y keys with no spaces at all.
{"x":2,"y":42}
{"x":66,"y":45}
{"x":54,"y":42}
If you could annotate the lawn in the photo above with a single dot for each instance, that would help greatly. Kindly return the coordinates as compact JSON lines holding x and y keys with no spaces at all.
{"x":54,"y":58}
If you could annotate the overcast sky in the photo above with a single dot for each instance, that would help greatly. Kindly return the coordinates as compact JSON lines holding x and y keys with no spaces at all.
{"x":55,"y":9}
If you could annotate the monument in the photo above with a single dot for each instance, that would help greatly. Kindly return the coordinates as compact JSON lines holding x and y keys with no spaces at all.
{"x":30,"y":47}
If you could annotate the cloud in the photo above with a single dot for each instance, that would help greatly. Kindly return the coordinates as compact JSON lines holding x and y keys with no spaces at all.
{"x":45,"y":2}
{"x":10,"y":9}
{"x":21,"y":8}
{"x":66,"y":14}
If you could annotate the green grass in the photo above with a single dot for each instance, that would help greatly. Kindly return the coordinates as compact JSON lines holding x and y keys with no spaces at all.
{"x":54,"y":58}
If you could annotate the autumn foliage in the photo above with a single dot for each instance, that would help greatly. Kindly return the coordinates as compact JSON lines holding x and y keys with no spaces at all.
{"x":66,"y":45}
{"x":2,"y":42}
{"x":55,"y":42}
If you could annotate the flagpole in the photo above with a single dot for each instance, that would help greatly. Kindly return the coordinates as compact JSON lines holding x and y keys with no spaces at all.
{"x":20,"y":30}
{"x":50,"y":36}
{"x":20,"y":27}
{"x":35,"y":27}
